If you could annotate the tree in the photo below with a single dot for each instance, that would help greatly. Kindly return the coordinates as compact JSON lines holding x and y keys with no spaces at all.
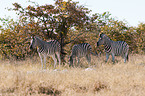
{"x":54,"y":21}
{"x":66,"y":21}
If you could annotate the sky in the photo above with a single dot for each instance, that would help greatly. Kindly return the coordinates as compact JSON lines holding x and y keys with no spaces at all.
{"x":130,"y":11}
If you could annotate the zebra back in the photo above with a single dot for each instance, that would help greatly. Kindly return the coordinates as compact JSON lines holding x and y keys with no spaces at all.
{"x":81,"y":50}
{"x":45,"y":47}
{"x":119,"y":47}
{"x":53,"y":46}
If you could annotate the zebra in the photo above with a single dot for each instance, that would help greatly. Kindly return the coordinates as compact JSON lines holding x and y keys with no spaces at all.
{"x":114,"y":48}
{"x":51,"y":48}
{"x":81,"y":50}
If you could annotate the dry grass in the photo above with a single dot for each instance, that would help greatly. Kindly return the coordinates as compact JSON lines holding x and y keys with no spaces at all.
{"x":25,"y":78}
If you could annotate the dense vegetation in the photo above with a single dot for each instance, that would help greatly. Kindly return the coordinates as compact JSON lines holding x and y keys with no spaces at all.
{"x":69,"y":23}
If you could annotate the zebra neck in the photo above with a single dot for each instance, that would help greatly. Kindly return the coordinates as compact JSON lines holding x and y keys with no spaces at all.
{"x":107,"y":47}
{"x":40,"y":45}
{"x":40,"y":49}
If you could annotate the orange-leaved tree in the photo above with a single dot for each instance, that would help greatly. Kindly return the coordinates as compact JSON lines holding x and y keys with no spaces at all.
{"x":51,"y":21}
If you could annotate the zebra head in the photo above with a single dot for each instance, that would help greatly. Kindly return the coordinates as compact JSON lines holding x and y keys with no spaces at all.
{"x":32,"y":42}
{"x":102,"y":39}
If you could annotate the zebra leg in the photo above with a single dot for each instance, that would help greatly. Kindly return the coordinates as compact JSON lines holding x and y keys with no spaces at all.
{"x":107,"y":57}
{"x":41,"y":60}
{"x":58,"y":57}
{"x":78,"y":61}
{"x":75,"y":61}
{"x":71,"y":61}
{"x":55,"y":60}
{"x":45,"y":61}
{"x":88,"y":57}
{"x":125,"y":57}
{"x":113,"y":58}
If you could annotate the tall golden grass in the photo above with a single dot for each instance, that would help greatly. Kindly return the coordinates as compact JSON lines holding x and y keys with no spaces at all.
{"x":23,"y":78}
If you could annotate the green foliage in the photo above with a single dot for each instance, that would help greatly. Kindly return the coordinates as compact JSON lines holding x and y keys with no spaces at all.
{"x":66,"y":21}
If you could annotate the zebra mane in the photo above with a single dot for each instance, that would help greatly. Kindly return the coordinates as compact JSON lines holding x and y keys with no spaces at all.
{"x":104,"y":36}
{"x":37,"y":37}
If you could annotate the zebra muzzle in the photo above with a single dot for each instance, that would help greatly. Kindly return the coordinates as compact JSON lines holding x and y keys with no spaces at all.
{"x":97,"y":44}
{"x":31,"y":47}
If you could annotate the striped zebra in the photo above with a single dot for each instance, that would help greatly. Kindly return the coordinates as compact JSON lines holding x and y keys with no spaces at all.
{"x":44,"y":49}
{"x":81,"y":50}
{"x":115,"y":48}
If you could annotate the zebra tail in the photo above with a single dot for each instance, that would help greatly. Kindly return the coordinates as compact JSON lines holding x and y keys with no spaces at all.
{"x":62,"y":52}
{"x":127,"y":58}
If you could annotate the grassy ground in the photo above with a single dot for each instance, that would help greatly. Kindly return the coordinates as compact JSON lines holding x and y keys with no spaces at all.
{"x":103,"y":79}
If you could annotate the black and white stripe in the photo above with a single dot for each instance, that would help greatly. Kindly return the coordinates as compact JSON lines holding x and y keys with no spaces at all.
{"x":115,"y":48}
{"x":44,"y":49}
{"x":81,"y":50}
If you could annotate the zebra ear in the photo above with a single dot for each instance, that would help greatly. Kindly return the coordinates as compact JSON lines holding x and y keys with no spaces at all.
{"x":101,"y":35}
{"x":32,"y":37}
